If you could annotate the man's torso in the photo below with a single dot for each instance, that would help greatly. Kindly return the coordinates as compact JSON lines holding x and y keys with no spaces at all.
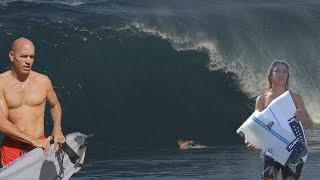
{"x":25,"y":102}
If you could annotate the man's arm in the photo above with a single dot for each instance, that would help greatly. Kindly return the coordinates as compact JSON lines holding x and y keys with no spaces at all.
{"x":9,"y":129}
{"x":55,"y":113}
{"x":260,"y":103}
{"x":301,"y":113}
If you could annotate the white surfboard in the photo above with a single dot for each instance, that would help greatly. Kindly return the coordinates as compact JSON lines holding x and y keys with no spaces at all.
{"x":269,"y":130}
{"x":35,"y":165}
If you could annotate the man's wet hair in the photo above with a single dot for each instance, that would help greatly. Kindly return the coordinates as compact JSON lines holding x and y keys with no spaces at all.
{"x":271,"y":68}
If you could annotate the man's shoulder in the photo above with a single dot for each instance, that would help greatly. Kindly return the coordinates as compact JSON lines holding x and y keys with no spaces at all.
{"x":4,"y":77}
{"x":262,"y":97}
{"x":40,"y":77}
{"x":260,"y":102}
{"x":5,"y":74}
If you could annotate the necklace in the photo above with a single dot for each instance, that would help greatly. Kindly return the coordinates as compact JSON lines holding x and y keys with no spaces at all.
{"x":23,"y":84}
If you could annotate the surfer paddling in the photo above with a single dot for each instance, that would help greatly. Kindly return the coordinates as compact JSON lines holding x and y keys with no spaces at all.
{"x":23,"y":96}
{"x":278,"y":82}
{"x":189,"y":144}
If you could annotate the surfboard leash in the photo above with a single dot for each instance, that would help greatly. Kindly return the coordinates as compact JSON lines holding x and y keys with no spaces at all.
{"x":60,"y":156}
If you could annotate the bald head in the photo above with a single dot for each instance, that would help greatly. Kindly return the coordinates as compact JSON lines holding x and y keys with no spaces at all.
{"x":21,"y":43}
{"x":22,"y":55}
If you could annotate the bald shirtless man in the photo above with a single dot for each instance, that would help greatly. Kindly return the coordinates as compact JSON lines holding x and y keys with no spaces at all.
{"x":23,"y":96}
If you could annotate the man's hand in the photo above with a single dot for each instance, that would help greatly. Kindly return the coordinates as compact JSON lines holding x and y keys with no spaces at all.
{"x":42,"y":143}
{"x":250,"y":146}
{"x":58,"y":138}
{"x":300,"y":115}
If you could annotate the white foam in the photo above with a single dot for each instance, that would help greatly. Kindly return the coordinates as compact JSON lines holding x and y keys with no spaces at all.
{"x":251,"y":73}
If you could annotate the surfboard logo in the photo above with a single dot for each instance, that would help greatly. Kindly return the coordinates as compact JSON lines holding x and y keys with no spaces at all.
{"x":270,"y":124}
{"x":292,"y":144}
{"x":269,"y":152}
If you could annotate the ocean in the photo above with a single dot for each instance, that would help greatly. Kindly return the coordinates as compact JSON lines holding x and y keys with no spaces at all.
{"x":142,"y":74}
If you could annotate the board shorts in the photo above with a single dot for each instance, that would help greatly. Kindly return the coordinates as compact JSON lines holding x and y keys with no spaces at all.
{"x":272,"y":167}
{"x":11,"y":149}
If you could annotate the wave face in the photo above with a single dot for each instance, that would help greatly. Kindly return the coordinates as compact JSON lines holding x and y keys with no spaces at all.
{"x":147,"y":73}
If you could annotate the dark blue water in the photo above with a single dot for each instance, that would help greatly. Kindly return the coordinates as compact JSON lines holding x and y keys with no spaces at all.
{"x":227,"y":162}
{"x":142,"y":74}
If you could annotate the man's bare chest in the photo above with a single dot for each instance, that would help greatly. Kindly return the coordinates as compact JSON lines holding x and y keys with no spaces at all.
{"x":17,"y":95}
{"x":269,"y":99}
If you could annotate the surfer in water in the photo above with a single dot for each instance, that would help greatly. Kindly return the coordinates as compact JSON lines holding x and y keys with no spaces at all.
{"x":278,"y":83}
{"x":189,"y":144}
{"x":23,"y":96}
